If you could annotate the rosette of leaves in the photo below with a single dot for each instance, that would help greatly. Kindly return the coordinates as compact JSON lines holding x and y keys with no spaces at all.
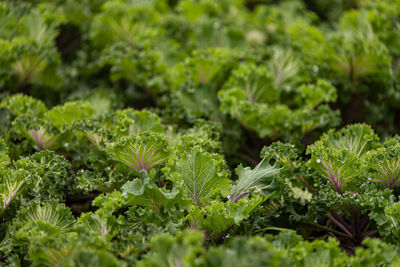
{"x":141,"y":152}
{"x":339,"y":156}
{"x":382,"y":17}
{"x":127,"y":35}
{"x":360,"y":56}
{"x":384,"y":164}
{"x":30,"y":56}
{"x":196,"y":81}
{"x":39,"y":131}
{"x":342,"y":158}
{"x":217,"y":217}
{"x":361,"y":62}
{"x":101,"y":132}
{"x":261,"y":99}
{"x":39,"y":226}
{"x":46,"y":217}
{"x":20,"y":104}
{"x":46,"y":128}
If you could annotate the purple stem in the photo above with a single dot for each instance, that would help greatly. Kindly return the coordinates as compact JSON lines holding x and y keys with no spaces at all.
{"x":154,"y":163}
{"x":340,"y":225}
{"x":332,"y":176}
{"x":240,"y":196}
{"x":194,"y":191}
{"x":148,"y":160}
{"x":340,"y":219}
{"x":11,"y":197}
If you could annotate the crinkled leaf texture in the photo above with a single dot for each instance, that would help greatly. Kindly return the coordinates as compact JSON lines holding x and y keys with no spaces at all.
{"x":220,"y":216}
{"x":181,"y":250}
{"x":200,"y":176}
{"x":356,"y":139}
{"x":76,"y":256}
{"x":339,"y":156}
{"x":66,"y":115}
{"x":137,"y":122}
{"x":384,"y":163}
{"x":20,"y":104}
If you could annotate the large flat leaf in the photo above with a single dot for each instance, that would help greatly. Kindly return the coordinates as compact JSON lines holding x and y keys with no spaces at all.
{"x":220,"y":216}
{"x":200,"y":176}
{"x":260,"y":177}
{"x":141,"y":193}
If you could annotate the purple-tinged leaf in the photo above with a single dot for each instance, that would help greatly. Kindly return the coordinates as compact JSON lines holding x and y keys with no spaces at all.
{"x":200,"y":176}
{"x":389,"y":173}
{"x":140,"y":152}
{"x":42,"y":139}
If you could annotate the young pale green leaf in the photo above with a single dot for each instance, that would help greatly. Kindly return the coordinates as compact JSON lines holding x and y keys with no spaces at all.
{"x":219,"y":216}
{"x":356,"y":139}
{"x":20,"y":104}
{"x":169,"y":251}
{"x":133,"y":122}
{"x":141,"y":152}
{"x":140,"y":193}
{"x":384,"y":163}
{"x":261,"y":177}
{"x":9,"y":190}
{"x":338,"y":156}
{"x":49,"y":213}
{"x":200,"y":176}
{"x":66,"y":115}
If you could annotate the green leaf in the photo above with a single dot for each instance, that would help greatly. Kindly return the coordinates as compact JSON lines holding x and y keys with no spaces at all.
{"x":49,"y":213}
{"x":200,"y":176}
{"x":169,"y":251}
{"x":356,"y":139}
{"x":66,"y":115}
{"x":20,"y":104}
{"x":4,"y":158}
{"x":141,"y":152}
{"x":261,"y":177}
{"x":133,"y":122}
{"x":220,"y":216}
{"x":340,"y":156}
{"x":9,"y":190}
{"x":140,"y":193}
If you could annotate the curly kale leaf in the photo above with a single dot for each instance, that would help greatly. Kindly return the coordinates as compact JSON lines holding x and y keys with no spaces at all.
{"x":141,"y":152}
{"x":339,"y":156}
